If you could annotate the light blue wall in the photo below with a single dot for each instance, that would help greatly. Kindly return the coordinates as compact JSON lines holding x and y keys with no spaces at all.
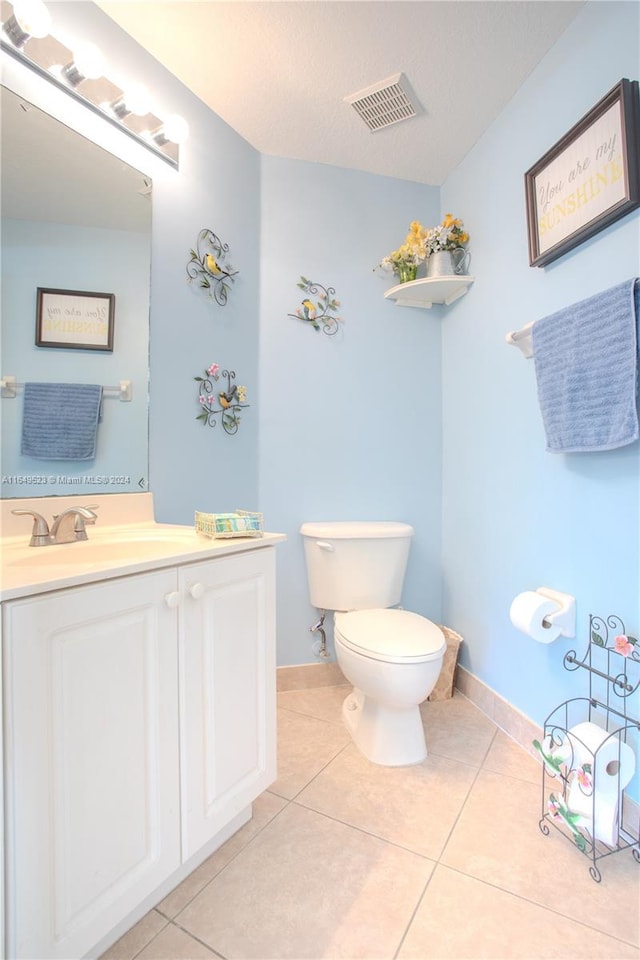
{"x":353,"y":427}
{"x":193,"y":467}
{"x":350,"y":425}
{"x":515,"y":517}
{"x":67,"y":257}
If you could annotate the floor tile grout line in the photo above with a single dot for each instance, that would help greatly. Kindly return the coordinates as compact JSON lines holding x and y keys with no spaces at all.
{"x":367,"y":833}
{"x":462,"y":806}
{"x":542,"y":906}
{"x":172,"y":923}
{"x":223,"y":868}
{"x":312,"y":716}
{"x":154,"y":937}
{"x":317,"y":774}
{"x":217,"y":953}
{"x":415,"y":910}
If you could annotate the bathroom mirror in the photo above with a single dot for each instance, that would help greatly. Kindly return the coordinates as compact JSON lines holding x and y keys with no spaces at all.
{"x":75,"y":219}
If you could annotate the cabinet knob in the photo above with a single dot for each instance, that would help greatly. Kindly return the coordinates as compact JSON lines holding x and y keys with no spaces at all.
{"x":172,"y":599}
{"x":196,"y":590}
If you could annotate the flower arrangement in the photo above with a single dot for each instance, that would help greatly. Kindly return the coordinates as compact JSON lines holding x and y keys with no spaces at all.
{"x":405,"y":260}
{"x":420,"y":243}
{"x":448,"y":235}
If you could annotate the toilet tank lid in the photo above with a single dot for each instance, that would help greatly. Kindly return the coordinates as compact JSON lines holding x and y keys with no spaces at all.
{"x":356,"y":529}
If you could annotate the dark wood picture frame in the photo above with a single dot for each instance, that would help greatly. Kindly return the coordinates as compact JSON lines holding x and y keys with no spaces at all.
{"x":75,"y":319}
{"x":596,"y":163}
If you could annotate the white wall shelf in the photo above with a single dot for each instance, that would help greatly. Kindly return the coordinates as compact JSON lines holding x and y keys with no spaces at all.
{"x":429,"y":290}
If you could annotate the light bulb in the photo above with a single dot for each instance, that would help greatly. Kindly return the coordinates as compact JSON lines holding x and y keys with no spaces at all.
{"x":137,"y":100}
{"x":30,"y":19}
{"x":175,"y":128}
{"x":88,"y":61}
{"x":33,"y":17}
{"x":87,"y":64}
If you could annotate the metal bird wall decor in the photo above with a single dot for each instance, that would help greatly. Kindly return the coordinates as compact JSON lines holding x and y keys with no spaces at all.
{"x":230,"y":401}
{"x":319,"y":314}
{"x":207,"y":266}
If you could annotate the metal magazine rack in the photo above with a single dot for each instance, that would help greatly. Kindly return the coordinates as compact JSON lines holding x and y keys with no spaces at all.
{"x":591,"y":746}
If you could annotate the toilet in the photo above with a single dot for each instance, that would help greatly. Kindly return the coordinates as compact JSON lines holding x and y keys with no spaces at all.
{"x":391,"y":657}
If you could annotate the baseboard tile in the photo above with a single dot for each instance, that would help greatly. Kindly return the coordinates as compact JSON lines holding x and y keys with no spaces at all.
{"x":308,"y":675}
{"x":514,"y":723}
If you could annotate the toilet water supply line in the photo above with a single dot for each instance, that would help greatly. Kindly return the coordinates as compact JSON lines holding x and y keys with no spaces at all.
{"x":320,"y":646}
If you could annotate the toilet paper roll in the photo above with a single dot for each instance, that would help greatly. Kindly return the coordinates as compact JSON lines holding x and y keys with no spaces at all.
{"x":613,"y":762}
{"x":604,"y":766}
{"x":527,"y":613}
{"x":604,"y":808}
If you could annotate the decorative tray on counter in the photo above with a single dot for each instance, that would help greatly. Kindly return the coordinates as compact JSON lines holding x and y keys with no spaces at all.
{"x":242,"y":523}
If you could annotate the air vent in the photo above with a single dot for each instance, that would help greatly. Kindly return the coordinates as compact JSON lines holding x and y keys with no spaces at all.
{"x":384,"y":103}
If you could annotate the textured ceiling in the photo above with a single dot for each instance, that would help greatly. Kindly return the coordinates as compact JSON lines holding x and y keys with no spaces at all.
{"x":278,"y":70}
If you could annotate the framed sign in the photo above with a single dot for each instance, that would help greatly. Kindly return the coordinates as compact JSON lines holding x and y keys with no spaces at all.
{"x":588,"y":179}
{"x":75,"y":319}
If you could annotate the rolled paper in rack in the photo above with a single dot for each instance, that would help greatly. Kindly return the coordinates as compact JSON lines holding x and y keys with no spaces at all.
{"x":603,"y":766}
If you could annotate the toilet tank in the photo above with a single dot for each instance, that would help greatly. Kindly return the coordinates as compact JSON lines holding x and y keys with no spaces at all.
{"x":355,"y":565}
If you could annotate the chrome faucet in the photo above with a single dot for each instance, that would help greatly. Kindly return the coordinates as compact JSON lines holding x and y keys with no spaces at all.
{"x":67,"y":527}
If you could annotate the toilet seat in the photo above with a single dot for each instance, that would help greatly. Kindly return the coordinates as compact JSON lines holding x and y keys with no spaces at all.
{"x":393,"y":636}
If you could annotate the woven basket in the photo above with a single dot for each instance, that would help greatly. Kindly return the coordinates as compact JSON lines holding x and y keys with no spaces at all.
{"x":242,"y":523}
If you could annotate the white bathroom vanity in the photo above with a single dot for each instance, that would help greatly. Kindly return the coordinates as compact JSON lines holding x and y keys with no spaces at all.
{"x":139,"y":715}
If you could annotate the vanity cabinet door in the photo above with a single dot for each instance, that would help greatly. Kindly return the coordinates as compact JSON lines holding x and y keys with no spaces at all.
{"x":227,"y":690}
{"x":91,"y":742}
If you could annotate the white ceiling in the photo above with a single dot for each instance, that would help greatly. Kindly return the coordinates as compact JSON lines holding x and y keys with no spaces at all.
{"x":278,"y":70}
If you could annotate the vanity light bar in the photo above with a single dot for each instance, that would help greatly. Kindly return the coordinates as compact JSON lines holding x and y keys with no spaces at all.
{"x":76,"y":75}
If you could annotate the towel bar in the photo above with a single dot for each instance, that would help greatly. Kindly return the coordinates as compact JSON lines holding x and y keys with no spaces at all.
{"x":123,"y":392}
{"x":522,"y":340}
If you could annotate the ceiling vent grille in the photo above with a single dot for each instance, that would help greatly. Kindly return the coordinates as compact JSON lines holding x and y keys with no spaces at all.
{"x":384,"y":103}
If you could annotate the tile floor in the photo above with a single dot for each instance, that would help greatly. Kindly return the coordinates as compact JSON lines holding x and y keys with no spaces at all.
{"x":345,"y":859}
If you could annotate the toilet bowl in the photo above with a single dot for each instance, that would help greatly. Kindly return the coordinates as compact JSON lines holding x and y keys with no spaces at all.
{"x":393,"y":659}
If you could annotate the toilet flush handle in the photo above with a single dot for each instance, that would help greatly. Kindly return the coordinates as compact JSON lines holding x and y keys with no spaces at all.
{"x":325,"y":545}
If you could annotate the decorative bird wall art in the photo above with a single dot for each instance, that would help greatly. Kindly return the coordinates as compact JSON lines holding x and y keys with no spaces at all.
{"x":318,"y":315}
{"x":225,"y":404}
{"x":207,"y":266}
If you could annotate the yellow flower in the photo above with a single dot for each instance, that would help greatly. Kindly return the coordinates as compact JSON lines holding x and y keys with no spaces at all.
{"x":448,"y":220}
{"x":412,"y":251}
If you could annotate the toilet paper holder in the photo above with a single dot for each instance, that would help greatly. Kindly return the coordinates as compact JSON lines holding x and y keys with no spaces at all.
{"x":591,"y":748}
{"x":565,"y":616}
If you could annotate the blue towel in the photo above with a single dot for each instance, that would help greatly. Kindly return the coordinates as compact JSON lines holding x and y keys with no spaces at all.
{"x":586,"y":360}
{"x":60,"y":420}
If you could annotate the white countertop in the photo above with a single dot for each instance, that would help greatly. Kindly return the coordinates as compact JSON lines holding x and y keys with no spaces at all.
{"x":111,"y":552}
{"x":124,"y":540}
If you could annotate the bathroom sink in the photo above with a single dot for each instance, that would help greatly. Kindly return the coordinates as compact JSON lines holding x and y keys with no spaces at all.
{"x":127,"y":545}
{"x":159,"y":533}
